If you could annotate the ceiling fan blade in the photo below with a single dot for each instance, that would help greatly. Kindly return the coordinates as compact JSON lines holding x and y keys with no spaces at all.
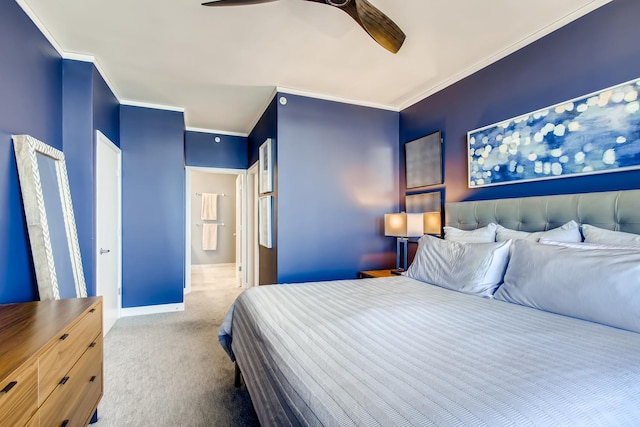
{"x":378,"y":25}
{"x":234,"y":2}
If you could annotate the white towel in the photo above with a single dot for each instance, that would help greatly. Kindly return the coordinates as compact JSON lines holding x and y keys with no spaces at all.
{"x":209,"y":237}
{"x":209,"y":206}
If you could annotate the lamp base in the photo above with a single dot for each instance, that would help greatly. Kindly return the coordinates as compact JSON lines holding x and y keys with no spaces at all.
{"x":398,"y":271}
{"x":401,"y":246}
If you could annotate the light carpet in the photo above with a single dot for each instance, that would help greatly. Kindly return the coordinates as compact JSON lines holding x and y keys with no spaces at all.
{"x":169,"y":370}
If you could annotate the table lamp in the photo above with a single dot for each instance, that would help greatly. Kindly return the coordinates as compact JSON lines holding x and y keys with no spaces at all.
{"x":402,"y":226}
{"x":432,"y":223}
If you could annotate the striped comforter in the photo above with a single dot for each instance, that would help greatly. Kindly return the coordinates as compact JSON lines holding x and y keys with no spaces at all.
{"x":398,"y":352}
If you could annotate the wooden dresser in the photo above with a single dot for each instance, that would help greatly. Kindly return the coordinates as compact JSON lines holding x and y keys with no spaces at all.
{"x":50,"y":362}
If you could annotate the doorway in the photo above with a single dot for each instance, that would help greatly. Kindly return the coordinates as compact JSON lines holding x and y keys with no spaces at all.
{"x":108,"y":229}
{"x":215,"y":218}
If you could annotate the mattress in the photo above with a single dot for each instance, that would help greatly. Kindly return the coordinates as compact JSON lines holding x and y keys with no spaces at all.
{"x":398,"y":352}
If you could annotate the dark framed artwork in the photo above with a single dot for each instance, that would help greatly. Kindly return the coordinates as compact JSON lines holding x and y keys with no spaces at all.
{"x":423,"y":161}
{"x":423,"y":202}
{"x":430,"y":205}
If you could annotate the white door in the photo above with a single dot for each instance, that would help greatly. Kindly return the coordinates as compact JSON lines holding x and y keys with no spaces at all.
{"x":239,"y":231}
{"x":108,"y":229}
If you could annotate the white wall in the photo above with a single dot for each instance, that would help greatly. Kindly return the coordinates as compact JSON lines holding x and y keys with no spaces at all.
{"x":202,"y":182}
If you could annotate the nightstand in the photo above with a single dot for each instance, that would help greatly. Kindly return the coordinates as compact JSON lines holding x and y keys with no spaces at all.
{"x":376,"y":273}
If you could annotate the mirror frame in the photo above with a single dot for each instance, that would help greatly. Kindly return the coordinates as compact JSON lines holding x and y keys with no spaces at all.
{"x":26,"y":148}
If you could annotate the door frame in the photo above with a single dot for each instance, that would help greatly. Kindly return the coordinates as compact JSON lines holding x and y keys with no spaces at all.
{"x":103,"y":139}
{"x":187,"y":252}
{"x":251,"y":235}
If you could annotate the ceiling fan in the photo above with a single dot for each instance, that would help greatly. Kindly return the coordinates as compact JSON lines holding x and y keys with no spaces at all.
{"x":378,"y":25}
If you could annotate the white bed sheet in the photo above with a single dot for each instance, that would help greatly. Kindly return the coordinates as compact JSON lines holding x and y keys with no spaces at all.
{"x":398,"y":352}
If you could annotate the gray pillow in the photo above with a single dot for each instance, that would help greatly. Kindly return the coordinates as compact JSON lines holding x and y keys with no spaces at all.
{"x":472,"y":268}
{"x":600,"y":285}
{"x":480,"y":235}
{"x":600,"y":235}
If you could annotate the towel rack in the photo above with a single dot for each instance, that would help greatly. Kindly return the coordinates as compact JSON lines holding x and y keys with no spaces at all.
{"x":219,"y":225}
{"x":223,"y":195}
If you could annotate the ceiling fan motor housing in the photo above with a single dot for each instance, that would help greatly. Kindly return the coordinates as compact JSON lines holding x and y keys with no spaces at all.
{"x":338,"y":3}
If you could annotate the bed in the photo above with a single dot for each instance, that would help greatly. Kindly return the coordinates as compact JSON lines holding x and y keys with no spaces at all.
{"x":403,"y":352}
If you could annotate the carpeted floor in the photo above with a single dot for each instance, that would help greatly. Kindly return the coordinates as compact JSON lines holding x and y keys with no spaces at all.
{"x":169,"y":370}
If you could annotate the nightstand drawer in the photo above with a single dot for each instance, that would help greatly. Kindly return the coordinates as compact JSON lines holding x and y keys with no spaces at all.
{"x":18,"y":398}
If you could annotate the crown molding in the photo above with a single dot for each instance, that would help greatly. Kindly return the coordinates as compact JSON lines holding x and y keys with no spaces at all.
{"x":215,"y":132}
{"x":92,"y":59}
{"x":256,"y":119}
{"x":307,"y":94}
{"x":64,"y":54}
{"x":291,"y":91}
{"x":595,"y":4}
{"x":150,"y":105}
{"x":38,"y":23}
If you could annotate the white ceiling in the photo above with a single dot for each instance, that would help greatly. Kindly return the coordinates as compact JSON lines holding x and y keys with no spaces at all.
{"x":222,"y":65}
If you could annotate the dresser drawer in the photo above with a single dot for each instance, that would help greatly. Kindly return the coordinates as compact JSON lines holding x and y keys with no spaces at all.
{"x":60,"y":357}
{"x":67,"y":397}
{"x":18,"y":396}
{"x":84,"y":409}
{"x":34,"y":421}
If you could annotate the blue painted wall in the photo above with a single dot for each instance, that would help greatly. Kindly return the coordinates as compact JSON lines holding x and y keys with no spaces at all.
{"x":200,"y":149}
{"x":31,"y":103}
{"x":152,"y":143}
{"x":337,"y":169}
{"x":106,"y":109}
{"x":597,"y":51}
{"x":88,"y":105}
{"x":267,"y":127}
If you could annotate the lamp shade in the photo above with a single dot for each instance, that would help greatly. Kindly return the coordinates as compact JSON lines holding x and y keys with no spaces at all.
{"x":432,"y":223}
{"x":403,"y":225}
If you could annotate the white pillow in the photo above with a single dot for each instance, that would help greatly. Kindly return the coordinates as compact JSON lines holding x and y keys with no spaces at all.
{"x":472,"y":268}
{"x":599,"y":285}
{"x":481,"y":235}
{"x":570,"y":232}
{"x":600,"y":235}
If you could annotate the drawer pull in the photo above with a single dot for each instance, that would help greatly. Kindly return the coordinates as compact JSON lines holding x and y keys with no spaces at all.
{"x":9,"y":386}
{"x":93,"y":310}
{"x":93,"y":344}
{"x":64,"y":380}
{"x":93,"y":378}
{"x":64,"y":337}
{"x":64,"y":423}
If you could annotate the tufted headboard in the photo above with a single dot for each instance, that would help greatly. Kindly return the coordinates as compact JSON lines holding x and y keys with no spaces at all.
{"x":613,"y":210}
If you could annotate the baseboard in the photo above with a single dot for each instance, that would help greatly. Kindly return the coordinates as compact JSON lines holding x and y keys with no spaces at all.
{"x":151,"y":309}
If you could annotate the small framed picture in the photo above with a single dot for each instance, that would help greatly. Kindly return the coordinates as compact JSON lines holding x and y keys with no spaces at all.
{"x":265,"y":217}
{"x":266,"y":167}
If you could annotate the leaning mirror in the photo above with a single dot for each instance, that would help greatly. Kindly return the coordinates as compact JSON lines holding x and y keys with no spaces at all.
{"x":50,"y":222}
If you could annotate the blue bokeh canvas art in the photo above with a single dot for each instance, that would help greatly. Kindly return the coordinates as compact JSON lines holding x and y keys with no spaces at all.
{"x":596,"y":133}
